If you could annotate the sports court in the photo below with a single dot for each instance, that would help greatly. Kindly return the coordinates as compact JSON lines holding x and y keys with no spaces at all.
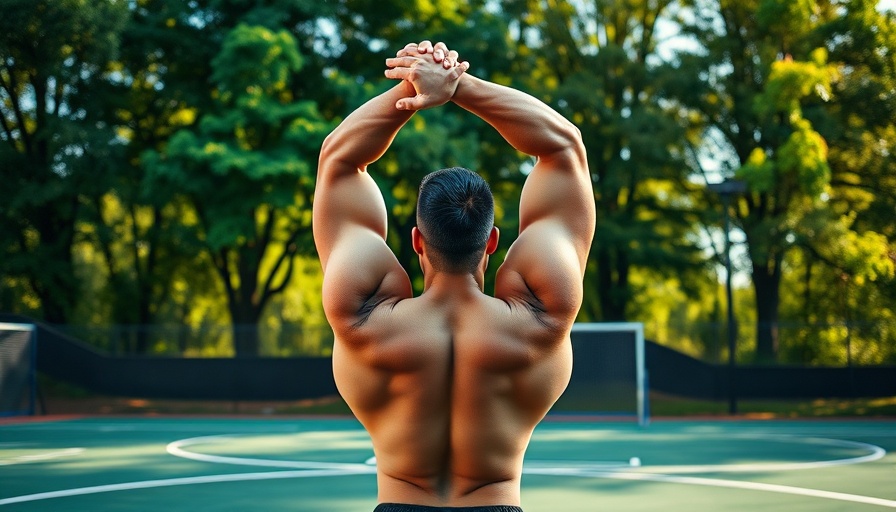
{"x":325,"y":464}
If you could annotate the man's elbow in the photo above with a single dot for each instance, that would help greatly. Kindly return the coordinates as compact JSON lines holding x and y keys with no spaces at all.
{"x":328,"y":150}
{"x":333,"y":160}
{"x":573,"y":132}
{"x":573,"y":142}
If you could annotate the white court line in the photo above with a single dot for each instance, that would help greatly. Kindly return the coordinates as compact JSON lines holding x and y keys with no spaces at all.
{"x":192,"y":480}
{"x":711,"y":482}
{"x":877,"y":453}
{"x":577,"y":464}
{"x":21,"y":459}
{"x":320,"y":469}
{"x":176,"y":449}
{"x":599,"y":469}
{"x":715,"y":482}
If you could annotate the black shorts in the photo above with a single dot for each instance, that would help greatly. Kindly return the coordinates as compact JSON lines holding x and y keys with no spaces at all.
{"x":403,"y":507}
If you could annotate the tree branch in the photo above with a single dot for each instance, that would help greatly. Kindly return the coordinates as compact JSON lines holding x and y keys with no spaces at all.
{"x":220,"y":259}
{"x":8,"y":130}
{"x":290,"y":265}
{"x":287,"y":255}
{"x":11,"y":87}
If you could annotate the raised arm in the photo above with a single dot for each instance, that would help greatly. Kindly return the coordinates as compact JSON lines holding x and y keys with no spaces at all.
{"x":545,"y":265}
{"x":349,"y":214}
{"x":345,"y":196}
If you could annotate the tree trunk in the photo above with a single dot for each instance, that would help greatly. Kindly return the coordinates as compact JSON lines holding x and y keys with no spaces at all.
{"x":244,"y":326}
{"x":55,"y":282}
{"x":767,"y":285}
{"x":612,"y":281}
{"x":245,"y":304}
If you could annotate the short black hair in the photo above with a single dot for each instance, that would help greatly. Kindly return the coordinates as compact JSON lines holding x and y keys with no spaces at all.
{"x":455,"y":215}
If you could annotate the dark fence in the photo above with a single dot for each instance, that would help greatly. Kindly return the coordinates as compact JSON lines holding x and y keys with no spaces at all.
{"x":266,"y":378}
{"x":853,"y":343}
{"x":670,"y":372}
{"x":677,"y":374}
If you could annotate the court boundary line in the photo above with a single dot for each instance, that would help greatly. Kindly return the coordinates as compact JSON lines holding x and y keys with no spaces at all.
{"x":25,"y":459}
{"x":617,"y":475}
{"x":176,"y":448}
{"x":719,"y":482}
{"x":171,"y":482}
{"x":324,"y":469}
{"x":877,"y":453}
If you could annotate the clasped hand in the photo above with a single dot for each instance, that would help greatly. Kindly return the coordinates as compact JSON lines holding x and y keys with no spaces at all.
{"x":432,"y":70}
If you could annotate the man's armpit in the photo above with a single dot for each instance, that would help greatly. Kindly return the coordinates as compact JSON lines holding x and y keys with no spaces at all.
{"x":522,"y":299}
{"x":537,"y":310}
{"x":371,"y":303}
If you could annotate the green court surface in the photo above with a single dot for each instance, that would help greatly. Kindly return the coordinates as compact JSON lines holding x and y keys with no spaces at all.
{"x":291,"y":464}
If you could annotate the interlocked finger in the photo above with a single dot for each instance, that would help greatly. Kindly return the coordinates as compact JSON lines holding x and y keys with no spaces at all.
{"x":409,"y":49}
{"x":401,"y":62}
{"x":441,"y":46}
{"x":460,"y":69}
{"x":399,"y":73}
{"x":425,"y":46}
{"x":450,"y":60}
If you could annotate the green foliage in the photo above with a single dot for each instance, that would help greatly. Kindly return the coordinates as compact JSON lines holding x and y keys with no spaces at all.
{"x":790,"y":82}
{"x":163,"y":153}
{"x":54,"y":149}
{"x":758,"y":172}
{"x":804,"y":155}
{"x":766,"y":81}
{"x":600,"y":76}
{"x":255,"y":66}
{"x":247,"y":168}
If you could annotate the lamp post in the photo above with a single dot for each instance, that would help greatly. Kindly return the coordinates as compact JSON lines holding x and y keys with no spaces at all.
{"x":726,"y":190}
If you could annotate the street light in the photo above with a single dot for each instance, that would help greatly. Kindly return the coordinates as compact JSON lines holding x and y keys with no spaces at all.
{"x":726,"y":190}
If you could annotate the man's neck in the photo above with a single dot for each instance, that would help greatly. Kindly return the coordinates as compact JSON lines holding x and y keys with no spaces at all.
{"x":444,"y":284}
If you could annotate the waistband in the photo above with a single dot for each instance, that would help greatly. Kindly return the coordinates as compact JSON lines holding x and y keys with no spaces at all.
{"x":404,"y":507}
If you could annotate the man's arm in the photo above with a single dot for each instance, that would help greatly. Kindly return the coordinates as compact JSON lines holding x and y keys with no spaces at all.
{"x":545,"y":265}
{"x":349,"y":214}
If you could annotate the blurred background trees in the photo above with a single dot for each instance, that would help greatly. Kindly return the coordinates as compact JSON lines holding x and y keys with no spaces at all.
{"x":158,"y":159}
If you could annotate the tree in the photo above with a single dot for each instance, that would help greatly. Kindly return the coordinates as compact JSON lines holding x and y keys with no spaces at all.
{"x":248,"y":171}
{"x":55,"y":149}
{"x":143,"y":235}
{"x":437,"y":138}
{"x":847,"y":271}
{"x":597,"y":63}
{"x":758,"y":81}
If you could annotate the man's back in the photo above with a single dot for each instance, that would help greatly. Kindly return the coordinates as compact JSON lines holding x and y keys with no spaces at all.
{"x":454,"y":382}
{"x":451,"y":384}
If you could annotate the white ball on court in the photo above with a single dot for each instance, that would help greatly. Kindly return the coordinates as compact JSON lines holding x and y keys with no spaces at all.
{"x":634,"y":462}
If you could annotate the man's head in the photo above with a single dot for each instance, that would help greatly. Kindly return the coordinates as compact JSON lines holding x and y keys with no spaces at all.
{"x":455,"y":217}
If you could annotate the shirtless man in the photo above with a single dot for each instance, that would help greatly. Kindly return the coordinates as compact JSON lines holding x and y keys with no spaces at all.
{"x":451,"y":384}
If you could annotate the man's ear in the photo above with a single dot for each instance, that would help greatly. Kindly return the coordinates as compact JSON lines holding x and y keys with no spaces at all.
{"x":417,"y":240}
{"x":492,"y":244}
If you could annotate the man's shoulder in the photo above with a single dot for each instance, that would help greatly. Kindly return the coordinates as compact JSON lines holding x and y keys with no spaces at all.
{"x":518,"y":317}
{"x":416,"y":313}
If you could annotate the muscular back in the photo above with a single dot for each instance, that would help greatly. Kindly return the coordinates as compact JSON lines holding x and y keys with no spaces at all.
{"x":451,"y":384}
{"x":450,"y":388}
